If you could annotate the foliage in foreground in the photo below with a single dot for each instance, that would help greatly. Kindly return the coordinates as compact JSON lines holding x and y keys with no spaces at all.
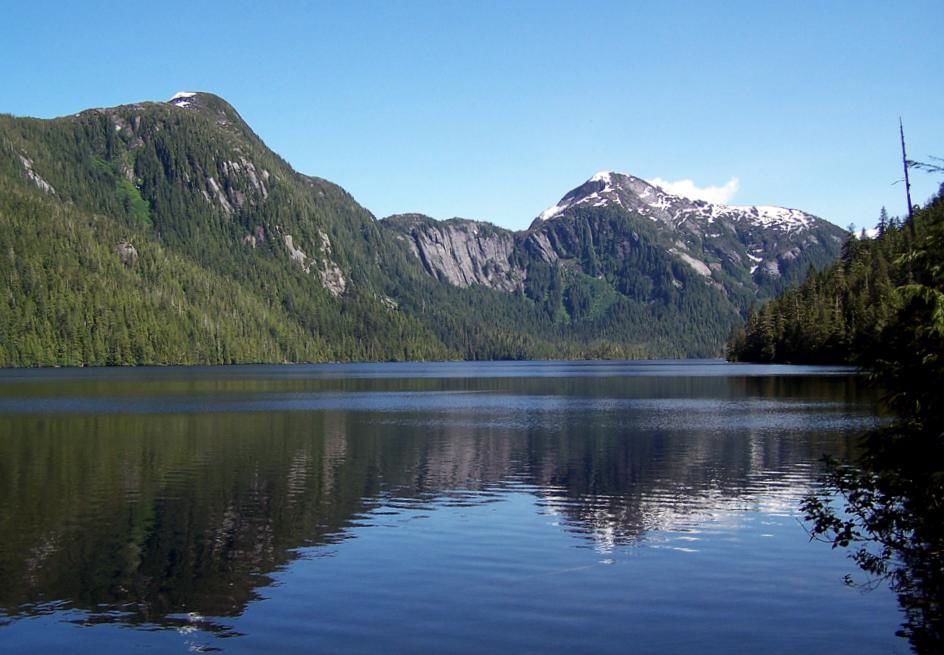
{"x":892,"y":500}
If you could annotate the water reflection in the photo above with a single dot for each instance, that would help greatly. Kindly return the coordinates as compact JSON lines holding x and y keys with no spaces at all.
{"x":164,"y":500}
{"x":887,"y":510}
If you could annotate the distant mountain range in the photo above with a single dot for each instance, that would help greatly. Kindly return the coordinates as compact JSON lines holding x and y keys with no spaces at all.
{"x":169,"y":233}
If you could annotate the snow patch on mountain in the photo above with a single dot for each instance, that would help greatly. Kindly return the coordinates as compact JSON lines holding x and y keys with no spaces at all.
{"x":182,"y":98}
{"x":660,"y":204}
{"x":777,"y":216}
{"x":551,"y":212}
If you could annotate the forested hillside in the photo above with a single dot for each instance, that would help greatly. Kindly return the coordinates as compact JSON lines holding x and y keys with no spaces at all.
{"x":884,"y":310}
{"x":154,"y":234}
{"x":621,"y":261}
{"x":167,"y":232}
{"x":857,"y":309}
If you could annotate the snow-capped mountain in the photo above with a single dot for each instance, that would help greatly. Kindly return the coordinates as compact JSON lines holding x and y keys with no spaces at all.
{"x":774,"y":246}
{"x":643,"y":241}
{"x":182,"y":98}
{"x":636,"y":195}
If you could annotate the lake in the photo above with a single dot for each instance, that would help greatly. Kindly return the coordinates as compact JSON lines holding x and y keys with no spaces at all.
{"x":527,"y":507}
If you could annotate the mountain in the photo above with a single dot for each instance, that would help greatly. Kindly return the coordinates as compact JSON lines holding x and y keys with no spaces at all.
{"x":167,"y":232}
{"x":751,"y":252}
{"x":771,"y":243}
{"x":618,"y":246}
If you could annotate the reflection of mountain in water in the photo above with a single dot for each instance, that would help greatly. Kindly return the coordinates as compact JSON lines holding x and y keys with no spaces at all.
{"x":182,"y":511}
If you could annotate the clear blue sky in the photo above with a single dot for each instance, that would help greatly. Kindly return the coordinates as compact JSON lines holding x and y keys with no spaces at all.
{"x":494,"y":109}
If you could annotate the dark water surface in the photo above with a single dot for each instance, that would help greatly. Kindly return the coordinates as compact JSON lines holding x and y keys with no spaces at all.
{"x":440,"y":508}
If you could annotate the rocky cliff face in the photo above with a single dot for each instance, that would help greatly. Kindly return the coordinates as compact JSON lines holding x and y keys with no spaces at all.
{"x":745,"y":252}
{"x":462,"y":252}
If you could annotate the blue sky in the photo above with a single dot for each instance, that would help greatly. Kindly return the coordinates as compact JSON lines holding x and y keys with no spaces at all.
{"x":493,"y":110}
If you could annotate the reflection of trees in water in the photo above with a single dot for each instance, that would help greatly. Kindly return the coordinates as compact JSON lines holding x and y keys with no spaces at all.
{"x":149,"y":518}
{"x":894,"y":494}
{"x":892,"y":520}
{"x":156,"y":515}
{"x":615,"y":488}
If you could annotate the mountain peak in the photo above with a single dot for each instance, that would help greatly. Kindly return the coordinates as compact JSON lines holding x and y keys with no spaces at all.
{"x":610,"y":188}
{"x":598,"y":191}
{"x":202,"y":100}
{"x":215,"y":108}
{"x":182,"y":98}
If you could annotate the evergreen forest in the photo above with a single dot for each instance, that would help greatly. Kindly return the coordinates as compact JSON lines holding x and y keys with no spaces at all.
{"x":855,"y":310}
{"x":154,"y":234}
{"x":884,"y":310}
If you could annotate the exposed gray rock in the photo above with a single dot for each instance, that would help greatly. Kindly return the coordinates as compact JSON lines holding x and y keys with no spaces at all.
{"x":464,"y":252}
{"x":772,"y":268}
{"x":217,"y":192}
{"x":542,"y":245}
{"x":296,"y":254}
{"x":699,"y":266}
{"x":127,"y":253}
{"x":34,"y":176}
{"x":332,"y":278}
{"x":330,"y":274}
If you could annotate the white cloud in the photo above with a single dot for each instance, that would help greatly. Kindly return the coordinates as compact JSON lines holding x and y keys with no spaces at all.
{"x":719,"y":195}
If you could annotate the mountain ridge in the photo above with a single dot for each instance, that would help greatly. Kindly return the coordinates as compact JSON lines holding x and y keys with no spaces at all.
{"x":160,"y":188}
{"x":603,"y":184}
{"x":758,"y":244}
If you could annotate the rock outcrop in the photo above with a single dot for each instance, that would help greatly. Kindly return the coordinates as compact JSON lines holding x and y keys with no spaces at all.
{"x":462,"y":252}
{"x":127,"y":253}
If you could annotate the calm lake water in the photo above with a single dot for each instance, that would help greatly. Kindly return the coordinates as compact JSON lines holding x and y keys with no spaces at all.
{"x":584,"y":507}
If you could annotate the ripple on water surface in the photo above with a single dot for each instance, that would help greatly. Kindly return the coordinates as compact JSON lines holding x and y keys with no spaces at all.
{"x":558,"y":507}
